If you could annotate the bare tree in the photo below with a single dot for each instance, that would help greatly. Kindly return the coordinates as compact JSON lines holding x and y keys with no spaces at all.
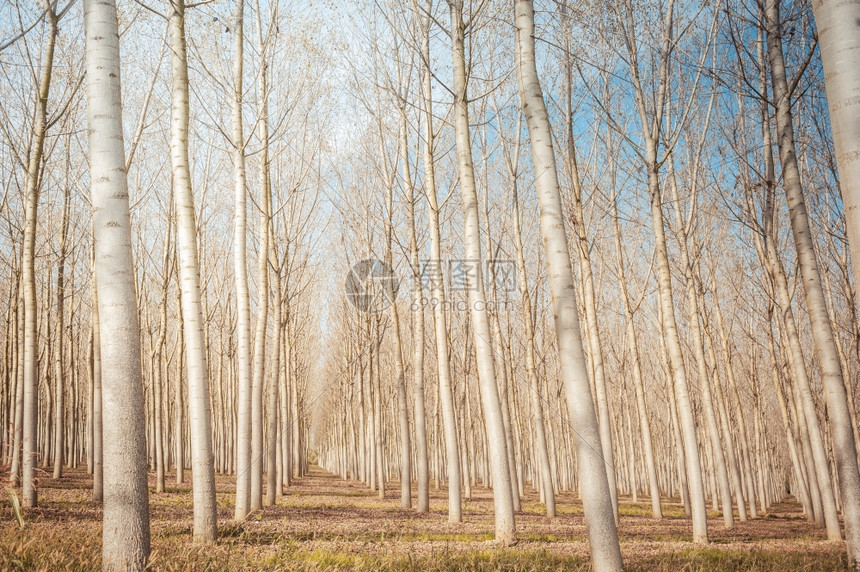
{"x":203,"y":474}
{"x":125,"y":540}
{"x":502,"y":491}
{"x":822,"y":332}
{"x":596,"y":496}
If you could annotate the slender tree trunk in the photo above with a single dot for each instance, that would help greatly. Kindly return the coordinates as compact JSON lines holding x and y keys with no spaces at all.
{"x":500,"y":352}
{"x":286,"y":420}
{"x":29,"y":441}
{"x":542,"y":456}
{"x":423,"y":475}
{"x":822,"y":333}
{"x":259,"y":373}
{"x":60,"y":406}
{"x":445,"y":399}
{"x":125,"y":537}
{"x":594,"y":486}
{"x":158,"y":379}
{"x":18,"y":427}
{"x":273,"y":484}
{"x":97,"y":397}
{"x":157,"y":404}
{"x":493,"y":419}
{"x":240,"y":260}
{"x":179,"y":395}
{"x":399,"y":368}
{"x":199,"y":407}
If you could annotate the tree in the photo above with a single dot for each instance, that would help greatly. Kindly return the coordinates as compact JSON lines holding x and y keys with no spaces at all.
{"x":29,"y":441}
{"x":240,"y":269}
{"x":651,"y":118}
{"x":203,"y":473}
{"x":502,"y":492}
{"x":822,"y":331}
{"x":125,"y":537}
{"x":596,"y":497}
{"x":434,"y":268}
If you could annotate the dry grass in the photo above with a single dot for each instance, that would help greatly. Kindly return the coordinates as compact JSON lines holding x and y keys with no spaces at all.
{"x":324,"y":523}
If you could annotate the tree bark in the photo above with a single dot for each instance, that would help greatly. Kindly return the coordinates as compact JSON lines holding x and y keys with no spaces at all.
{"x":240,"y":262}
{"x":29,"y":440}
{"x":822,"y":333}
{"x":594,"y":487}
{"x":839,"y":40}
{"x":125,"y":537}
{"x":199,"y":406}
{"x":497,"y":444}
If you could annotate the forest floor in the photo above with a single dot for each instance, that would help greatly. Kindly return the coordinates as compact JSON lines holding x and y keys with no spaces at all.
{"x":325,"y":523}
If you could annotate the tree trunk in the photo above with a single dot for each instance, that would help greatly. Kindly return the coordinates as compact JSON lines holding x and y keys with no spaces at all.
{"x":18,"y":427}
{"x":97,"y":398}
{"x":493,"y":420}
{"x":423,"y":475}
{"x":836,"y":24}
{"x":399,"y":368}
{"x":125,"y":539}
{"x":259,"y":373}
{"x":60,"y":405}
{"x":594,"y":487}
{"x":822,"y":333}
{"x":240,"y":261}
{"x":199,"y":407}
{"x":542,"y":456}
{"x":273,"y":484}
{"x":445,"y":399}
{"x":29,"y":441}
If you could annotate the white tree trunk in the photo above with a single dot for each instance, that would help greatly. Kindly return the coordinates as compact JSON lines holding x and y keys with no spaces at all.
{"x":493,"y":420}
{"x":594,"y":487}
{"x":434,"y":268}
{"x":822,"y":333}
{"x":29,"y":441}
{"x":259,"y":372}
{"x":240,"y":261}
{"x":839,"y":40}
{"x":59,"y":374}
{"x":199,"y":407}
{"x":421,"y":465}
{"x":125,"y":537}
{"x":96,"y":397}
{"x":541,"y":453}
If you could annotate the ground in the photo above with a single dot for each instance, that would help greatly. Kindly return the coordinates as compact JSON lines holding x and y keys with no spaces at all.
{"x":326,"y":523}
